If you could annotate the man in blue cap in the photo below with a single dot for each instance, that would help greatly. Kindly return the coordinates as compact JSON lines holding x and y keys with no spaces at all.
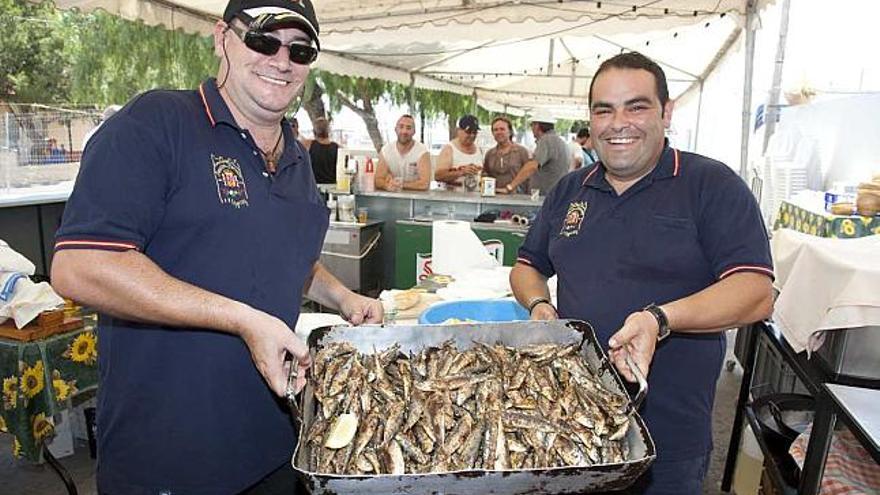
{"x":195,"y":228}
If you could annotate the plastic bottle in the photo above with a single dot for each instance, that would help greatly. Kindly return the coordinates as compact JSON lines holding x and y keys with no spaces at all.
{"x":368,"y":176}
{"x":331,"y":205}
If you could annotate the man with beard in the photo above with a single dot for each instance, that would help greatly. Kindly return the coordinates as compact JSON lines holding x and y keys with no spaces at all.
{"x":660,"y":250}
{"x":194,"y":229}
{"x":406,"y":163}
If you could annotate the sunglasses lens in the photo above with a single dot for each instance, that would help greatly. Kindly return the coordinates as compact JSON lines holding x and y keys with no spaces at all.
{"x":262,"y":43}
{"x":302,"y":54}
{"x":269,"y":45}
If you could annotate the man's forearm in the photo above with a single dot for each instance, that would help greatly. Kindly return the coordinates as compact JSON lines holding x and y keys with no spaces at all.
{"x":528,"y":169}
{"x":131,"y":286}
{"x":325,"y":289}
{"x":417,"y":185}
{"x":447,"y":174}
{"x":739,"y":299}
{"x":528,"y":284}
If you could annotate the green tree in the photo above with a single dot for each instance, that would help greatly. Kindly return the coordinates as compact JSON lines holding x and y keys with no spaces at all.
{"x":32,"y":62}
{"x":360,"y":95}
{"x":113,"y":59}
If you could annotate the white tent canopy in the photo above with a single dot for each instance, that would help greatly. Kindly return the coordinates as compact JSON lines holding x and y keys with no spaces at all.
{"x":514,"y":55}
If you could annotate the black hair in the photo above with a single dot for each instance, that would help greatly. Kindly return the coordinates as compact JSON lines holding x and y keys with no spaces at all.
{"x":635,"y":60}
{"x":583,"y":133}
{"x":321,"y":127}
{"x":545,"y":126}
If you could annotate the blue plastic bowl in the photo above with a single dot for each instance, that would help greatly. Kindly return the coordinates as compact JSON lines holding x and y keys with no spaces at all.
{"x":480,"y":310}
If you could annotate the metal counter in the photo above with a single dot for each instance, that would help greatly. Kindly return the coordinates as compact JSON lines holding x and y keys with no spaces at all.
{"x":390,"y":207}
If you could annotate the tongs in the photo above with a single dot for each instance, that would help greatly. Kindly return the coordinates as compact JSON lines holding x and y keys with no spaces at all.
{"x":290,"y":391}
{"x":636,"y":401}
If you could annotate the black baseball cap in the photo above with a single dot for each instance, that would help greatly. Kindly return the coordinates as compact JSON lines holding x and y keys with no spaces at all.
{"x":469,"y":123}
{"x":269,"y":15}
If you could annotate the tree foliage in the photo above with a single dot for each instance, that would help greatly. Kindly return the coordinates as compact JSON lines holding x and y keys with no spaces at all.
{"x":113,"y":59}
{"x":32,"y":66}
{"x":51,"y":56}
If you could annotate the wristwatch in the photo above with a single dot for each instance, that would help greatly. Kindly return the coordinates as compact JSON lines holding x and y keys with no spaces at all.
{"x":534,"y":302}
{"x":663,"y":329}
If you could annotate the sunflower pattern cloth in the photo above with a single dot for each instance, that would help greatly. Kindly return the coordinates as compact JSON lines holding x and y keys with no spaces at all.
{"x":825,"y":224}
{"x":39,"y":378}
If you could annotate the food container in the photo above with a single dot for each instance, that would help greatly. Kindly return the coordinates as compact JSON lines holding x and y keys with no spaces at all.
{"x":491,"y":310}
{"x":569,"y":479}
{"x":487,"y":186}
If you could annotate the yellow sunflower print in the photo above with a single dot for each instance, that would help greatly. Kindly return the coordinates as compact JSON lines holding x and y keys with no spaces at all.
{"x":83,"y":349}
{"x":32,"y":380}
{"x":3,"y":427}
{"x":63,"y":389}
{"x":10,"y":392}
{"x":42,"y":427}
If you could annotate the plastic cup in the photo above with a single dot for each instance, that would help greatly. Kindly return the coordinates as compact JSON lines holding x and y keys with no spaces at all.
{"x":362,"y":215}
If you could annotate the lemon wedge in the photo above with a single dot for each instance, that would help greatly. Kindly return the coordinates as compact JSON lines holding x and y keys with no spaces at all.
{"x":342,"y":432}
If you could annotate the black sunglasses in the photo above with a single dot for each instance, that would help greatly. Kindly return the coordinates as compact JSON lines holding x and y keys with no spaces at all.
{"x":261,"y":42}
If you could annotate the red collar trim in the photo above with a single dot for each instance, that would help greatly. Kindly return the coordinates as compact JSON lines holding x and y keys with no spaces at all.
{"x":205,"y":102}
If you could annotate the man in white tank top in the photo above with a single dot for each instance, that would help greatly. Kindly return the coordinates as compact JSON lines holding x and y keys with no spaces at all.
{"x":404,"y":164}
{"x":461,"y":161}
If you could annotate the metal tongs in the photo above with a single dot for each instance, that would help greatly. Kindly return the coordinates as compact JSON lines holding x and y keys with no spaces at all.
{"x":290,"y":391}
{"x":636,"y":401}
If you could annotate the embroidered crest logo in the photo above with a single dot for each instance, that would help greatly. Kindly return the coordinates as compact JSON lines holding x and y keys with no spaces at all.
{"x":231,"y":188}
{"x":571,"y":226}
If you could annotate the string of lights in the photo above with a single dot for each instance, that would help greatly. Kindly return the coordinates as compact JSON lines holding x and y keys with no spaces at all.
{"x":549,"y":34}
{"x":569,"y":63}
{"x":458,"y":11}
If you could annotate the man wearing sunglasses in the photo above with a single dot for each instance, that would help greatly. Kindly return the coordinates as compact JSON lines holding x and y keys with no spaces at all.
{"x":195,"y":228}
{"x":461,"y":161}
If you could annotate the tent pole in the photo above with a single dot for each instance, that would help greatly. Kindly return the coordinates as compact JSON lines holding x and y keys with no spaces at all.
{"x":751,"y":20}
{"x":411,"y":94}
{"x":699,"y":112}
{"x":773,"y":101}
{"x":550,"y":57}
{"x":474,"y":105}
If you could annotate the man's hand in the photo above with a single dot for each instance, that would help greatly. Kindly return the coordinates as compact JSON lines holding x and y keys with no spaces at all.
{"x":470,"y":169}
{"x":638,"y":337}
{"x":357,"y":309}
{"x":544,"y":311}
{"x":269,"y":339}
{"x":394,"y":185}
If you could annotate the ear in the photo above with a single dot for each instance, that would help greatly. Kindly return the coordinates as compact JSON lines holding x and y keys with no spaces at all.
{"x":219,"y":38}
{"x":667,"y":113}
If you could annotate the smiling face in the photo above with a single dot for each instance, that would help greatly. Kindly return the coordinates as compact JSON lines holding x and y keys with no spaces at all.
{"x":405,"y":130}
{"x":258,"y":87}
{"x":628,"y":122}
{"x":501,"y":132}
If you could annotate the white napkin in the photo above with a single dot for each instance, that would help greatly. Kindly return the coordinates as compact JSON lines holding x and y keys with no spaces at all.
{"x":824,"y":284}
{"x":20,"y":298}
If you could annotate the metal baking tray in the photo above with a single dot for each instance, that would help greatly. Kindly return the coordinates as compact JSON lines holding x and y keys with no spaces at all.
{"x":574,"y":479}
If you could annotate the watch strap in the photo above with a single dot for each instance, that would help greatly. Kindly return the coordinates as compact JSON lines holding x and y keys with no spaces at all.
{"x":663,"y":329}
{"x":534,"y":302}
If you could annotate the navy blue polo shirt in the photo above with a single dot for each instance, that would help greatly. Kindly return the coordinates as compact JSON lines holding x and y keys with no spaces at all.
{"x":687,"y":224}
{"x":173,"y":176}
